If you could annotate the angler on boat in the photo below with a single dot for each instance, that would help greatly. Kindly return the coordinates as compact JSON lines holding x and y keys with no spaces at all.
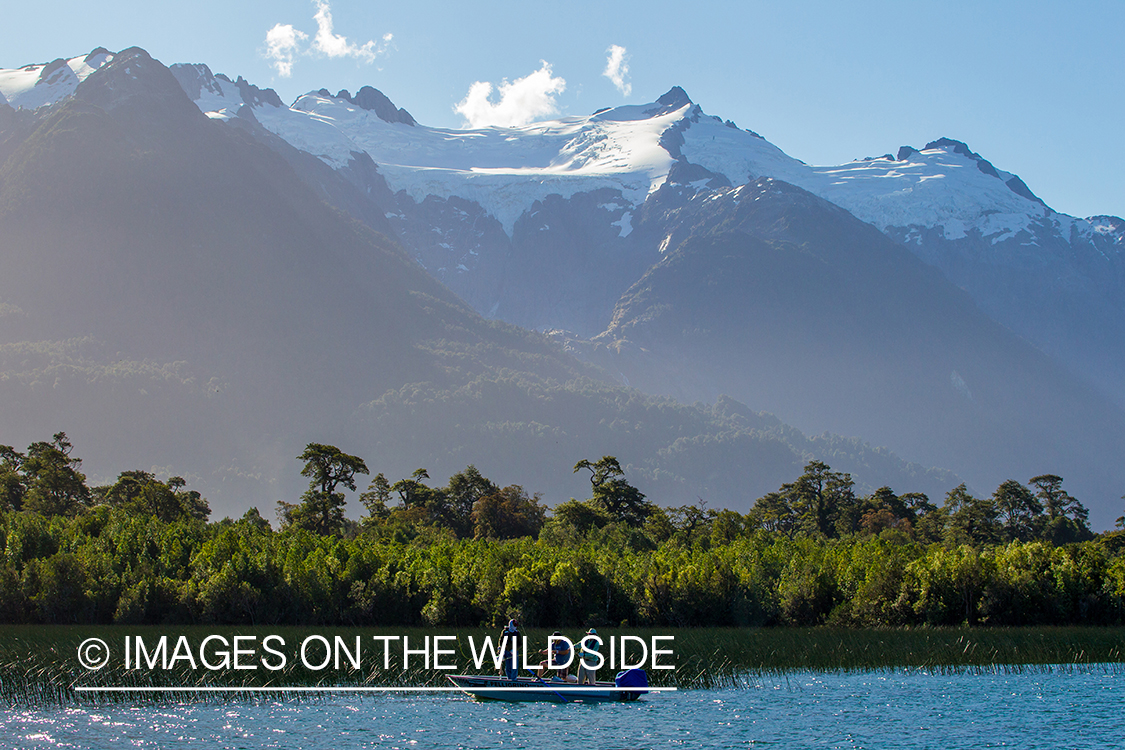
{"x":628,"y":685}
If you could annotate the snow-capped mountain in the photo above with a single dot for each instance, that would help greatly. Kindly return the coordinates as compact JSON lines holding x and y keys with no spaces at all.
{"x":34,"y":86}
{"x":557,"y":225}
{"x":505,"y":170}
{"x":486,"y":210}
{"x":632,"y":148}
{"x":628,"y":148}
{"x":475,"y":204}
{"x":178,"y":297}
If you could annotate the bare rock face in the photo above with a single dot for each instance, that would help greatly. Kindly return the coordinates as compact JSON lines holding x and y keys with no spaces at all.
{"x":376,"y":101}
{"x":1110,"y":228}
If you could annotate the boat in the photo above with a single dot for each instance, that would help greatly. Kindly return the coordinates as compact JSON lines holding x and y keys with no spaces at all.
{"x":627,"y":686}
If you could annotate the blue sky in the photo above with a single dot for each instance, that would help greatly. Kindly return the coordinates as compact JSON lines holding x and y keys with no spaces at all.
{"x":1036,"y":87}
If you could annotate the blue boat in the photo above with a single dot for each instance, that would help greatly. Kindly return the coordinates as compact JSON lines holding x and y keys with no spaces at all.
{"x":627,"y":686}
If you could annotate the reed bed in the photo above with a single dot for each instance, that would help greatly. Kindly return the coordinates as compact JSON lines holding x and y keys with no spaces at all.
{"x":39,"y":664}
{"x":711,"y":658}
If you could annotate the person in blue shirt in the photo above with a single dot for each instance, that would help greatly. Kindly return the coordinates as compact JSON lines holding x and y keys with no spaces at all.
{"x":559,"y":655}
{"x":588,"y":654}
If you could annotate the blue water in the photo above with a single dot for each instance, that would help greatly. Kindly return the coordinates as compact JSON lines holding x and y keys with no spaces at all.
{"x":1061,"y":709}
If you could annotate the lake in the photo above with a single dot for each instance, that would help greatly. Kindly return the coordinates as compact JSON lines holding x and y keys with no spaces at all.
{"x":1041,"y":707}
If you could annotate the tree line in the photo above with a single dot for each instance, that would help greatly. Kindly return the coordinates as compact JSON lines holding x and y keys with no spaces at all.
{"x":471,"y":552}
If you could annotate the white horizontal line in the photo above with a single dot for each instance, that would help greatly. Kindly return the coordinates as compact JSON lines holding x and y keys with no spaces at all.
{"x":358,"y":689}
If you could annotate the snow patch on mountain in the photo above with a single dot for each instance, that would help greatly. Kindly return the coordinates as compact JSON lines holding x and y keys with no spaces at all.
{"x":505,"y":170}
{"x":625,"y":223}
{"x":738,"y":155}
{"x":944,"y":186}
{"x":936,"y":187}
{"x":1110,"y":227}
{"x":35,"y":86}
{"x":630,"y":149}
{"x":216,"y":96}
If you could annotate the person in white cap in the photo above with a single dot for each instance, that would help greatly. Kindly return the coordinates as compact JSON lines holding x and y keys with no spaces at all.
{"x":509,"y":648}
{"x":588,"y":655}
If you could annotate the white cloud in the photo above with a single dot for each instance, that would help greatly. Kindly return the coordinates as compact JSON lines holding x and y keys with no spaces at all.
{"x":284,"y":42}
{"x":333,"y":45}
{"x":521,"y":101}
{"x":617,"y":69}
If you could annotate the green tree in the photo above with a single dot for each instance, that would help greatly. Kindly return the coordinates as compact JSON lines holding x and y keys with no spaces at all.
{"x":823,"y":501}
{"x":1067,"y":518}
{"x":727,"y":526}
{"x":466,"y":488}
{"x":55,"y":487}
{"x":254,"y":520}
{"x":928,"y":519}
{"x":1057,"y":502}
{"x":141,"y":492}
{"x":950,"y":582}
{"x":423,"y":504}
{"x":579,"y":515}
{"x":412,"y":492}
{"x":970,"y":520}
{"x":322,"y":508}
{"x":774,"y":513}
{"x":192,"y":504}
{"x":621,"y":500}
{"x":883,"y":510}
{"x":693,"y":521}
{"x":375,"y":499}
{"x":659,"y":526}
{"x":12,"y":485}
{"x":1018,"y":510}
{"x":509,"y":513}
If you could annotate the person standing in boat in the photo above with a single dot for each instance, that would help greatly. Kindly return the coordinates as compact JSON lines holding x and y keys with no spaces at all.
{"x":588,"y":654}
{"x":509,"y":648}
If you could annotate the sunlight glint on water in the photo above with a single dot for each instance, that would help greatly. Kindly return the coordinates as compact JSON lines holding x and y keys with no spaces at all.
{"x":868,"y":710}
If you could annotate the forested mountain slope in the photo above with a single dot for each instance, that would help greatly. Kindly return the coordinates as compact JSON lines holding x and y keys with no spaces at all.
{"x":775,"y":296}
{"x":178,"y":299}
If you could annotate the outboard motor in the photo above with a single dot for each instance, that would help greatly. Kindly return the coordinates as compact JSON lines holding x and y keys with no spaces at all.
{"x":631,"y":678}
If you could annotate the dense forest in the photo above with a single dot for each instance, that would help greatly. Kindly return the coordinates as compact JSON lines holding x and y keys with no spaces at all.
{"x":472,"y":552}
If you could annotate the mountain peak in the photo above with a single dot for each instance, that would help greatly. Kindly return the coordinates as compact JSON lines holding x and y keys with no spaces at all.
{"x":1014,"y":183}
{"x":34,"y":86}
{"x":253,"y":95}
{"x":1109,"y":226}
{"x":134,"y":80}
{"x":374,"y":100}
{"x":958,"y":147}
{"x":949,"y":144}
{"x":675,"y":98}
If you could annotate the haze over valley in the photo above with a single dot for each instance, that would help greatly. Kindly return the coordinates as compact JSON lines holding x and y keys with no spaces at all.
{"x":197,"y":279}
